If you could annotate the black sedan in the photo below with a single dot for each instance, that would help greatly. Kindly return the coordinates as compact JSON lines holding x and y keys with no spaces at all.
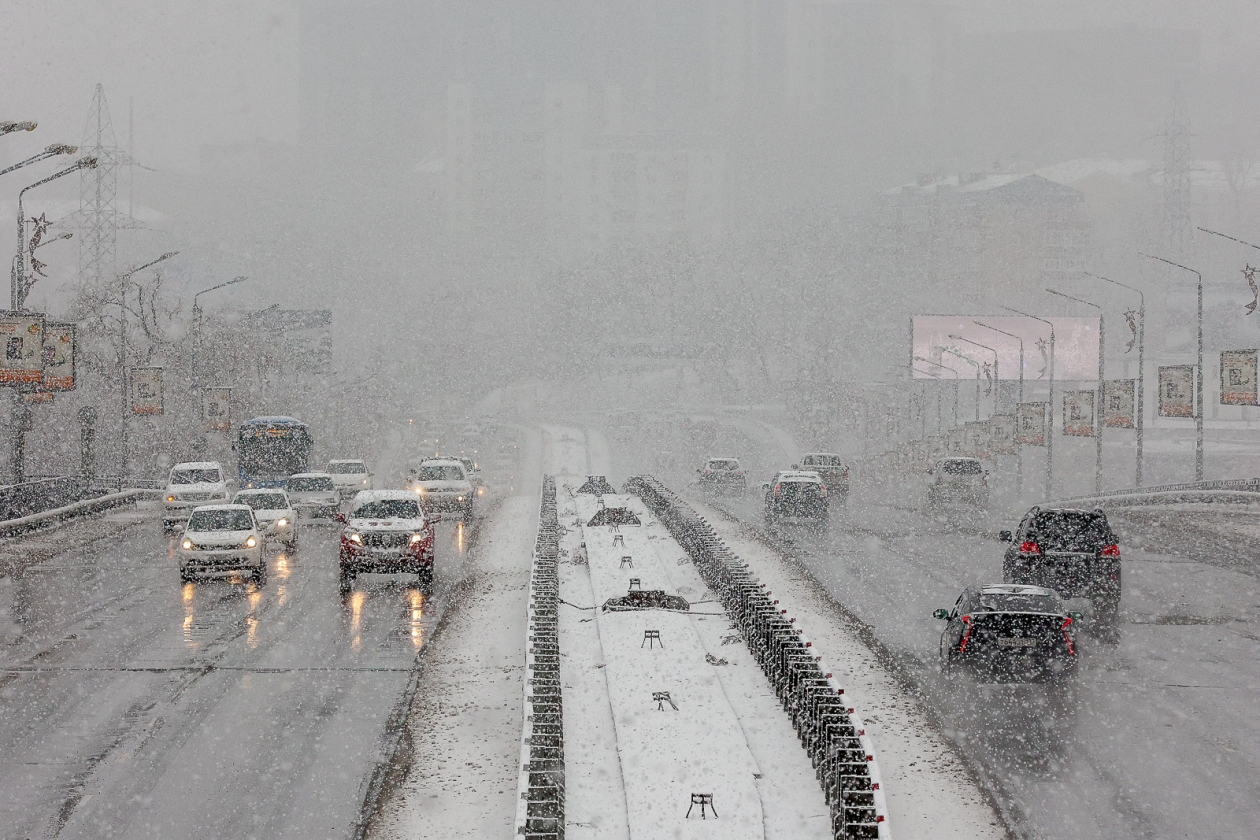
{"x":1007,"y":633}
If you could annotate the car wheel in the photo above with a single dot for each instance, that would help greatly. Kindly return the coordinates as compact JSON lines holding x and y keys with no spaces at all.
{"x":184,"y":577}
{"x":260,"y":575}
{"x":345,"y":580}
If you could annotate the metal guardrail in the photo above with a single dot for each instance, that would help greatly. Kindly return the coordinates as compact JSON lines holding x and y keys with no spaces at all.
{"x":95,"y":504}
{"x":540,"y":809}
{"x":829,"y":726}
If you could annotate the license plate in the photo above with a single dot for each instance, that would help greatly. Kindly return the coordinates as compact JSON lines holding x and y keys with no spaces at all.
{"x":1016,"y":642}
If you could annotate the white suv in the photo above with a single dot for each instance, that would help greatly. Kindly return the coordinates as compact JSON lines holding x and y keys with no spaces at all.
{"x":350,"y":476}
{"x":313,"y":496}
{"x":190,"y":485}
{"x":442,"y":484}
{"x":221,"y":539}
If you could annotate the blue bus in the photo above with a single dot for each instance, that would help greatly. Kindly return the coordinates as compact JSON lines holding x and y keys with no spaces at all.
{"x":270,"y":449}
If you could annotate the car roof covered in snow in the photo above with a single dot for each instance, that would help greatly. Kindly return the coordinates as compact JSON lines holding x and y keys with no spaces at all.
{"x":312,"y":475}
{"x":365,"y":496}
{"x":222,"y":507}
{"x":800,"y":475}
{"x":1015,"y":589}
{"x":198,"y":465}
{"x":346,"y":461}
{"x":442,"y":462}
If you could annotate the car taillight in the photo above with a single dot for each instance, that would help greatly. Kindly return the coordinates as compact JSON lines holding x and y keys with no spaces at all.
{"x":776,"y":491}
{"x":822,"y":490}
{"x":1111,"y":551}
{"x":1067,"y":637}
{"x":962,"y":646}
{"x":1029,"y":547}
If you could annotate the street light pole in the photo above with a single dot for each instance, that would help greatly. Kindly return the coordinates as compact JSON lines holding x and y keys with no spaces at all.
{"x":196,"y":381}
{"x":1198,"y":386}
{"x":938,"y":402}
{"x":1019,"y":449}
{"x":49,"y":151}
{"x":996,"y":378}
{"x":974,"y":364}
{"x":1098,"y":426}
{"x":124,"y":281}
{"x":9,"y":127}
{"x":1141,"y":376}
{"x":17,"y":288}
{"x":1050,"y":419}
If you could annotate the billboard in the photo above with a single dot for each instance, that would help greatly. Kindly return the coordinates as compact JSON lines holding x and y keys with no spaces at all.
{"x":146,"y":390}
{"x":1030,"y":423}
{"x":1176,"y":391}
{"x":58,"y":356}
{"x":22,"y":359}
{"x":1002,"y":434}
{"x":1118,"y":403}
{"x":1238,"y":377}
{"x":1075,"y":346}
{"x":216,"y":409}
{"x":1078,"y":413}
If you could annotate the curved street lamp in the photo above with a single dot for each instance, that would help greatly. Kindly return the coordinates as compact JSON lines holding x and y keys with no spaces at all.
{"x":19,"y":287}
{"x":1098,"y":424}
{"x":974,"y":364}
{"x":49,"y":151}
{"x":1050,"y":420}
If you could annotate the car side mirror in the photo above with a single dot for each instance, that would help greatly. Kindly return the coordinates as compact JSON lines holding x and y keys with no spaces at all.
{"x":1005,"y":536}
{"x":943,"y":615}
{"x":340,"y":517}
{"x":796,"y":466}
{"x":698,"y":469}
{"x":434,"y":517}
{"x":1075,"y":616}
{"x":931,"y":471}
{"x":765,"y":486}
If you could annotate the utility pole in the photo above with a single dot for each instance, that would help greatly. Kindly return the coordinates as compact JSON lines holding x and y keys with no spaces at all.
{"x":1198,"y":379}
{"x":1098,"y":425}
{"x":1140,"y":397}
{"x":1019,"y":449}
{"x":1050,"y":419}
{"x":124,"y":283}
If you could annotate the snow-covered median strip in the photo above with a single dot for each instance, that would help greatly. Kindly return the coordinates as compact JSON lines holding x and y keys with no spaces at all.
{"x":929,"y":793}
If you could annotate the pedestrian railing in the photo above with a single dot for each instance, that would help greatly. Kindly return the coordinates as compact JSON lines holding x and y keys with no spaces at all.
{"x":827,"y":722}
{"x":540,"y":809}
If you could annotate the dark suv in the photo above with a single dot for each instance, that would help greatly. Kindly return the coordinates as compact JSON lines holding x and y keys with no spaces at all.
{"x":797,"y":497}
{"x":1073,"y":552}
{"x":1006,"y":633}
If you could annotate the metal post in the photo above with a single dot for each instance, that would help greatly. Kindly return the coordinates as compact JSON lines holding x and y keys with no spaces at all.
{"x":1198,"y":390}
{"x":1019,"y":450}
{"x":997,"y":379}
{"x":1141,"y":375}
{"x":974,"y":364}
{"x":1098,"y":426}
{"x":1050,"y":419}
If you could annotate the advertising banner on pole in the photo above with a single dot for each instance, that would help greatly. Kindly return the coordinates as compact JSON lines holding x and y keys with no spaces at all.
{"x":977,"y":437}
{"x":1002,"y":434}
{"x":1176,"y":391}
{"x":59,"y":356}
{"x":1238,"y":377}
{"x":1078,"y":413}
{"x":1118,"y":403}
{"x":957,"y":441}
{"x":1030,"y":423}
{"x":22,"y":356}
{"x":216,"y":408}
{"x":146,"y":390}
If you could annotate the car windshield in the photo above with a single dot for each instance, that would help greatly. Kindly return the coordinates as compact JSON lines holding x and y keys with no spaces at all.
{"x":262,"y":501}
{"x":346,"y":467}
{"x":1070,"y":529}
{"x":220,"y":520}
{"x":307,"y":485}
{"x":961,"y":467}
{"x":724,"y":465}
{"x":441,"y":472}
{"x":388,"y":509}
{"x":1008,"y":602}
{"x":195,"y":476}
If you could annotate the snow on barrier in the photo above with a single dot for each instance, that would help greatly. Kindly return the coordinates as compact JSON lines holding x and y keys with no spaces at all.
{"x":12,"y":527}
{"x":540,"y":809}
{"x":829,"y":725}
{"x":1223,"y":491}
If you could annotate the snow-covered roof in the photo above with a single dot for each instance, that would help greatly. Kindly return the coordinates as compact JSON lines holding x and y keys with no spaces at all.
{"x":198,"y":465}
{"x":1014,"y":589}
{"x":311,"y":475}
{"x":365,"y":496}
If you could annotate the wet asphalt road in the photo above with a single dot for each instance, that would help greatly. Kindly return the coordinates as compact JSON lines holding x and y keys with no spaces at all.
{"x":1156,"y":737}
{"x":132,"y":706}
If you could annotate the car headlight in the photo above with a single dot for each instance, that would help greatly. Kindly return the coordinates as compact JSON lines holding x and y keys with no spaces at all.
{"x":354,"y":538}
{"x":459,"y":498}
{"x":281,"y":522}
{"x":365,"y":481}
{"x":415,"y":538}
{"x":251,"y":541}
{"x":172,"y":498}
{"x":187,"y":544}
{"x":420,"y":490}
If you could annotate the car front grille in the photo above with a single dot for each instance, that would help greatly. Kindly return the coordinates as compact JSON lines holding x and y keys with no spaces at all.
{"x":196,"y":497}
{"x":385,"y":540}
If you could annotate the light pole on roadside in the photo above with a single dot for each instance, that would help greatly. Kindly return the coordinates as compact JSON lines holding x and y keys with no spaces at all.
{"x":196,"y":381}
{"x":124,"y":280}
{"x":974,"y":364}
{"x":937,"y":377}
{"x":1049,"y":432}
{"x":1140,"y":399}
{"x":996,"y":379}
{"x":18,"y":287}
{"x":938,"y":404}
{"x":1098,"y":397}
{"x":1198,"y":378}
{"x":1019,"y":450}
{"x":49,"y":151}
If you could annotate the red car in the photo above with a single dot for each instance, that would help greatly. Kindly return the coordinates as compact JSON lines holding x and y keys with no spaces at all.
{"x":387,"y":532}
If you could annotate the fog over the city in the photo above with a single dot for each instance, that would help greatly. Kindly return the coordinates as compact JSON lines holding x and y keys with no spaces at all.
{"x":895,"y":300}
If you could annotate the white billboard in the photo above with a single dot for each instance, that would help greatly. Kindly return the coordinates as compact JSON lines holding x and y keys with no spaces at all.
{"x":1075,"y":346}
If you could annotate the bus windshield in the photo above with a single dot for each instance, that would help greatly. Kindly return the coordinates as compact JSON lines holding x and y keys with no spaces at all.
{"x":273,"y":451}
